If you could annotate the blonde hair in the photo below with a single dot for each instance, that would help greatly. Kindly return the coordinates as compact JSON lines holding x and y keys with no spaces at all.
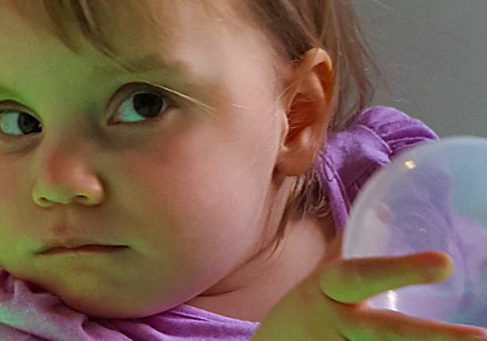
{"x":296,"y":26}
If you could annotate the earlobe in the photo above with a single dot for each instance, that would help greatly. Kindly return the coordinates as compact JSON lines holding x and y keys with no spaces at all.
{"x":308,"y":114}
{"x":294,"y":160}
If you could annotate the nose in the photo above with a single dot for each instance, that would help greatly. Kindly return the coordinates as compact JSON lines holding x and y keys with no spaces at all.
{"x":57,"y":195}
{"x":67,"y":181}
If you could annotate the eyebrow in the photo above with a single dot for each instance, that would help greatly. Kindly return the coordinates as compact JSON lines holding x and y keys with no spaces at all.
{"x":152,"y":63}
{"x":146,"y":64}
{"x":10,"y":93}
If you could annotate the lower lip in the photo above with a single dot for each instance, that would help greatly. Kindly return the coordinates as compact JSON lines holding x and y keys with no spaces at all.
{"x":86,"y":249}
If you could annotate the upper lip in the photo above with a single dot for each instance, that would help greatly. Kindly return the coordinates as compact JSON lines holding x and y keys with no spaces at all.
{"x":71,"y":243}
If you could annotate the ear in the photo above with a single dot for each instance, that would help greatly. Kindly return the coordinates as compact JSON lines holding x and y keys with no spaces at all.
{"x":309,"y":112}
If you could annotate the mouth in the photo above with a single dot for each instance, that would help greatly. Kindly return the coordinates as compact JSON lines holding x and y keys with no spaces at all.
{"x":85,"y":249}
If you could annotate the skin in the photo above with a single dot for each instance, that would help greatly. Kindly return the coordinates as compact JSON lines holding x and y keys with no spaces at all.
{"x":188,"y":194}
{"x":336,"y":309}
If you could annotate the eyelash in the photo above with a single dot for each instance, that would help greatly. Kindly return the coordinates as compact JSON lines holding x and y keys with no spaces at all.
{"x":133,"y":89}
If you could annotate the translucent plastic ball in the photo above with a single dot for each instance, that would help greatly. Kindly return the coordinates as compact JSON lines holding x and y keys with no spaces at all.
{"x":431,"y":197}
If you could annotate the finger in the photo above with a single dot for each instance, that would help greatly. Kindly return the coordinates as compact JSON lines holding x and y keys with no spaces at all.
{"x":390,"y":325}
{"x":356,"y":279}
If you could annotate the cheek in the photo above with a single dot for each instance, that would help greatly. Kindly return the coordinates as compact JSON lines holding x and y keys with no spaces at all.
{"x":14,"y":218}
{"x":9,"y":183}
{"x":221,"y":203}
{"x":206,"y":204}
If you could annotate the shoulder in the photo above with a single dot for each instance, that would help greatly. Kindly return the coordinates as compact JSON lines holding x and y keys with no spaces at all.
{"x":351,"y":156}
{"x":395,"y":128}
{"x":376,"y":136}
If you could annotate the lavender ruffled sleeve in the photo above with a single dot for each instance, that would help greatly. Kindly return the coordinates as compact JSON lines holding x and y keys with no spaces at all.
{"x":350,"y":157}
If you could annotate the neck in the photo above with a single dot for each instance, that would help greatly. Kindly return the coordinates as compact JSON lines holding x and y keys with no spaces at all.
{"x":259,"y":284}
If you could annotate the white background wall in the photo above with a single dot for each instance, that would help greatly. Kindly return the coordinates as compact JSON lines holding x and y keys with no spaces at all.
{"x":434,"y":54}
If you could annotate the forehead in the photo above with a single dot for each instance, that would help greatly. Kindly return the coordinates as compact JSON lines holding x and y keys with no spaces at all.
{"x":126,"y":29}
{"x":128,"y":22}
{"x":187,"y":35}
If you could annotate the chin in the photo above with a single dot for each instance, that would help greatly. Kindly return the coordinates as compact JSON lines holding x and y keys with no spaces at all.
{"x":111,"y":311}
{"x":98,"y":311}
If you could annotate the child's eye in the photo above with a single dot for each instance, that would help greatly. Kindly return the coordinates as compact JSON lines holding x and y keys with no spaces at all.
{"x":142,"y":105}
{"x":10,"y":121}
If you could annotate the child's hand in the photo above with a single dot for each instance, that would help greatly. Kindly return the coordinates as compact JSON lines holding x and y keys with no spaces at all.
{"x":327,"y":305}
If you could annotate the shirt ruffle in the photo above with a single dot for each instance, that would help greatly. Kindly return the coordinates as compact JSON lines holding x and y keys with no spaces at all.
{"x":350,"y":157}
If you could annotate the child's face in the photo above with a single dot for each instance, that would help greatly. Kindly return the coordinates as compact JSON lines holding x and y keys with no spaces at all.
{"x":186,"y":191}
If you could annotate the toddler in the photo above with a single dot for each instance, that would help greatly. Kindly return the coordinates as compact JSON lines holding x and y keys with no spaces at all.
{"x":217,"y":216}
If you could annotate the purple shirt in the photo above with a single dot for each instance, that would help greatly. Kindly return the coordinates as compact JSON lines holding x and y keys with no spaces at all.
{"x":349,"y":159}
